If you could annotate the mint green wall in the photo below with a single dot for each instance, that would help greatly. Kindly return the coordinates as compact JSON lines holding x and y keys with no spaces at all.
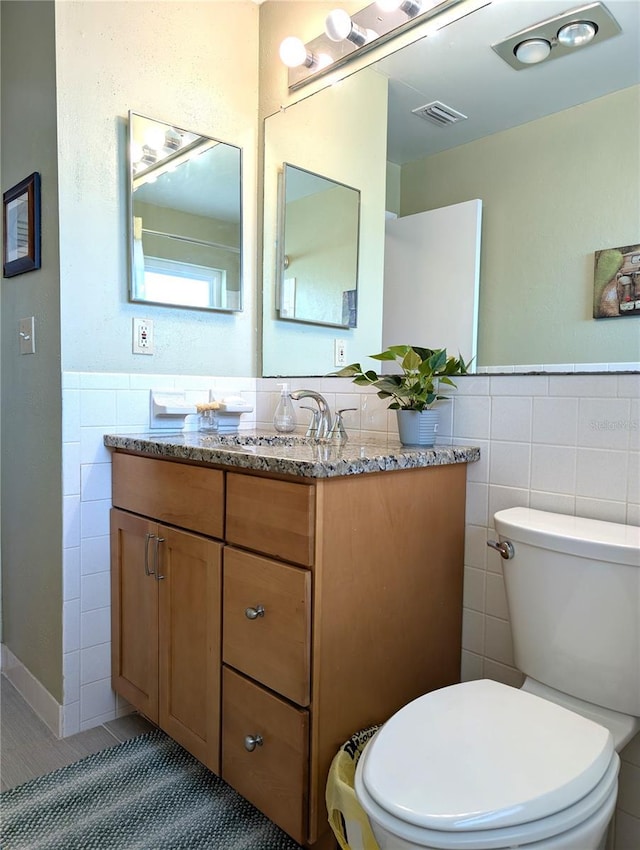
{"x":554,"y":191}
{"x":31,"y":391}
{"x":339,"y":133}
{"x":194,"y":64}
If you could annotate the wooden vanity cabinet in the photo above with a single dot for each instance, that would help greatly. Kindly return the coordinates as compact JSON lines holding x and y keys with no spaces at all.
{"x":341,"y":602}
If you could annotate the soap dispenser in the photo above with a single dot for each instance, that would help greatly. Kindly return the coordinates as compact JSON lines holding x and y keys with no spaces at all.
{"x":284,"y":418}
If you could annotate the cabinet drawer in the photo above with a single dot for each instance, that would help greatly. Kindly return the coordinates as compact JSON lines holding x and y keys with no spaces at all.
{"x":191,"y":497}
{"x":274,"y":775}
{"x":274,"y":517}
{"x":273,"y":647}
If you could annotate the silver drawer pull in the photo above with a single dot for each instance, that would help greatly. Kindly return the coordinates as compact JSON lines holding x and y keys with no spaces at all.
{"x":252,"y":741}
{"x":156,"y":559}
{"x":148,"y":537}
{"x":252,"y":613}
{"x":505,"y":548}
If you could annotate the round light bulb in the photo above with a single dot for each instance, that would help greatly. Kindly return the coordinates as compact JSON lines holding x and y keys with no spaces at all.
{"x":324,"y":60}
{"x":293,"y":52}
{"x":577,"y":34}
{"x":154,"y":138}
{"x":532,"y":51}
{"x":337,"y":25}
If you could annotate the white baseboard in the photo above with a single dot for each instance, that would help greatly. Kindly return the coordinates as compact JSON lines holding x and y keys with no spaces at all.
{"x":32,"y":691}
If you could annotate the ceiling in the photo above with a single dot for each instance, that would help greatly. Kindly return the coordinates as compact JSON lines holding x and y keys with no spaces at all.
{"x":458,"y":67}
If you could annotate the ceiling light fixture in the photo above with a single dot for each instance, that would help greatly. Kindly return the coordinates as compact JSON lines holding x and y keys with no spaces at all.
{"x":532,"y":51}
{"x":559,"y":36}
{"x":577,"y":34}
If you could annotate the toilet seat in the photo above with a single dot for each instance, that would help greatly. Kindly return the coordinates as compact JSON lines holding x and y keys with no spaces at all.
{"x":480,"y":764}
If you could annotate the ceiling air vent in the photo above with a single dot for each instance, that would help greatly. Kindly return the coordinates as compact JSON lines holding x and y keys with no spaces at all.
{"x":439,"y":113}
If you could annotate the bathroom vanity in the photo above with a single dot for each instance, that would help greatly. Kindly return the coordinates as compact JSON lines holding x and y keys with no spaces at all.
{"x":269,"y":600}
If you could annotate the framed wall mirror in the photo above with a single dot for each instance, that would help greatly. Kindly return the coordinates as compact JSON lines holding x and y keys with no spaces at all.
{"x":185,"y":217}
{"x":318,"y":260}
{"x":550,"y":150}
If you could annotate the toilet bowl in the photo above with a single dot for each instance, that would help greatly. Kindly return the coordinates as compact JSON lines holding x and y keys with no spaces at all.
{"x":484,"y":766}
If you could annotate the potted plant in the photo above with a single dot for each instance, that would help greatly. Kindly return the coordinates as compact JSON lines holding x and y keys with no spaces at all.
{"x":415,"y":390}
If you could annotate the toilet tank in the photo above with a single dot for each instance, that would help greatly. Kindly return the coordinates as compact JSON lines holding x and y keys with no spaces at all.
{"x":573,"y":591}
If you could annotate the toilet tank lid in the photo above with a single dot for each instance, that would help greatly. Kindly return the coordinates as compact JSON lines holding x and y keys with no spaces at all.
{"x":588,"y":538}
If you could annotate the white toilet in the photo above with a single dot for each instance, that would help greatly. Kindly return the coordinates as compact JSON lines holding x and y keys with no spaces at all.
{"x":480,"y":765}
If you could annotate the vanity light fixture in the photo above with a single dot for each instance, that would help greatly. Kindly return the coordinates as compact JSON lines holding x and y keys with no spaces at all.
{"x":411,"y":8}
{"x":173,"y":140}
{"x":558,"y":36}
{"x":347,"y":35}
{"x":149,"y":156}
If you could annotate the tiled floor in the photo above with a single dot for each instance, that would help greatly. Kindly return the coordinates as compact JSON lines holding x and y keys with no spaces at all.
{"x":29,"y":749}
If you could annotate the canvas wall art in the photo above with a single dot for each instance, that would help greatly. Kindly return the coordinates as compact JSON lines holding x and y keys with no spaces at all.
{"x":616,"y":287}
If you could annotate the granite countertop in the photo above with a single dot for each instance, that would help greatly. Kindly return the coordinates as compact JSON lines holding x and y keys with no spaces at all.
{"x":291,"y":454}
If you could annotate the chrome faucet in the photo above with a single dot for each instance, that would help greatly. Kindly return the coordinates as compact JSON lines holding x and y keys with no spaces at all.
{"x":324,"y":414}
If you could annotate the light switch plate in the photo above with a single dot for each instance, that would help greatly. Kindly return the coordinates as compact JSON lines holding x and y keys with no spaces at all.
{"x":27,"y":335}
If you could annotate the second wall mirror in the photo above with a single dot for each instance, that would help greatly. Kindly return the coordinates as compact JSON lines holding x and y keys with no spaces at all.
{"x":185,"y":217}
{"x":318,"y":260}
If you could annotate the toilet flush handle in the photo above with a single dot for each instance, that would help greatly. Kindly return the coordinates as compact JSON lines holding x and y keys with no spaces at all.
{"x":505,"y":548}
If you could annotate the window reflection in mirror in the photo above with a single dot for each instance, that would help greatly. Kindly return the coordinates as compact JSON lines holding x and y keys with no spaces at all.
{"x":318,"y":263}
{"x":186,"y":217}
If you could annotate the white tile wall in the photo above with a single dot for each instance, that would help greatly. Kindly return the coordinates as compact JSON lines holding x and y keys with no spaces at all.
{"x":94,"y":404}
{"x":580,"y":457}
{"x":566,"y":443}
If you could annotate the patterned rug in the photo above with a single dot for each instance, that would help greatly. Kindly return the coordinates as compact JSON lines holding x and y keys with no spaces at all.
{"x":145,"y":794}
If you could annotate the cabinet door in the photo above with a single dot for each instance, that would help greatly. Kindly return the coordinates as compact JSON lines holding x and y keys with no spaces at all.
{"x":189,"y":583}
{"x":134,"y":613}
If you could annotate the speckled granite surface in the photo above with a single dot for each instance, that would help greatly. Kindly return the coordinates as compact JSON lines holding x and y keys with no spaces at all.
{"x":291,"y":455}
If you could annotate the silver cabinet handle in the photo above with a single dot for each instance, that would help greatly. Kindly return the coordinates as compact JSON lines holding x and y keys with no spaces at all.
{"x":147,"y":570}
{"x":252,"y":613}
{"x":505,"y":548}
{"x":156,"y":559}
{"x":253,"y":741}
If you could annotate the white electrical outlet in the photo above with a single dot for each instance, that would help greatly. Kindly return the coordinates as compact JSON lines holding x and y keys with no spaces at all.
{"x":142,"y":336}
{"x":339,"y":352}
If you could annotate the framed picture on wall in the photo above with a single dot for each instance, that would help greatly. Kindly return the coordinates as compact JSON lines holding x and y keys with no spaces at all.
{"x":616,"y":288}
{"x":21,"y":227}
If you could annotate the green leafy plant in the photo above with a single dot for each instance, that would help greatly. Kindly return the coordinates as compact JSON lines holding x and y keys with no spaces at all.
{"x":418,"y":387}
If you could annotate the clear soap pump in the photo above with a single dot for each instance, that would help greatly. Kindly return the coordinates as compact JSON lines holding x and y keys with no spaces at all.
{"x":284,"y":418}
